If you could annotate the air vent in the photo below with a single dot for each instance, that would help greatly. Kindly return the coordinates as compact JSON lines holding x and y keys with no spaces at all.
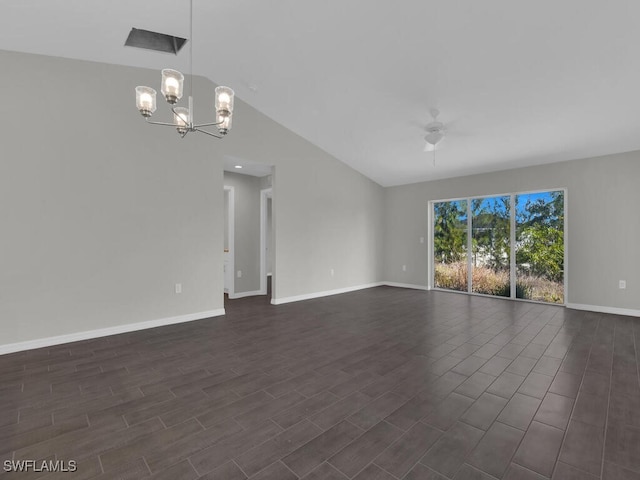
{"x":159,"y":42}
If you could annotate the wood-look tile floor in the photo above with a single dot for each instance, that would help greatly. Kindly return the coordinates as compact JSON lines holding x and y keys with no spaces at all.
{"x":379,"y":384}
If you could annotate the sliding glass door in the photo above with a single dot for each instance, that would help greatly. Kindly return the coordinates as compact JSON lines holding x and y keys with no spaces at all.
{"x":450,"y":245}
{"x":507,"y":245}
{"x":490,"y":243}
{"x":540,"y":246}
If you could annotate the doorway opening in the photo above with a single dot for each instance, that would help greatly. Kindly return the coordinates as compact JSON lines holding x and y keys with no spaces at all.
{"x":229,"y":243}
{"x":249,"y":253}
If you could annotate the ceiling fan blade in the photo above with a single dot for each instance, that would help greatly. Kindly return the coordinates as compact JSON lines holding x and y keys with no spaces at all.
{"x":460,"y":134}
{"x":453,"y":128}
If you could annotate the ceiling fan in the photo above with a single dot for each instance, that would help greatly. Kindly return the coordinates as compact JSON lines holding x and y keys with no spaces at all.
{"x":435,"y":133}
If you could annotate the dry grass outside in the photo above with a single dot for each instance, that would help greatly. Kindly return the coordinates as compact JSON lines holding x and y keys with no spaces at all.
{"x":453,"y":276}
{"x":491,"y":282}
{"x":540,"y":289}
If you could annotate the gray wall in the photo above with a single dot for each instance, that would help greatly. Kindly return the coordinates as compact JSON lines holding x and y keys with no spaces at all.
{"x":603,"y":228}
{"x":246,"y":191}
{"x":325,"y":214}
{"x":265,"y":182}
{"x":103,"y":214}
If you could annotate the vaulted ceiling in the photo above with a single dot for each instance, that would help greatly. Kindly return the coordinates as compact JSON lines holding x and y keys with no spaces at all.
{"x":517,"y":83}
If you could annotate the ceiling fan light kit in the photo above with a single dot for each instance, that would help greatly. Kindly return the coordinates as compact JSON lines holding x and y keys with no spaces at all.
{"x":435,"y":133}
{"x":172,"y":88}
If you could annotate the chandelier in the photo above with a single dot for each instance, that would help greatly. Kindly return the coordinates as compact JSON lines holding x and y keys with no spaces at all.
{"x":172,"y":87}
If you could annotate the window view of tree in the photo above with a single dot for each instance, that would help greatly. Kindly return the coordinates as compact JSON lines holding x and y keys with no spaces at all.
{"x":490,"y":244}
{"x":450,"y":245}
{"x":539,"y":245}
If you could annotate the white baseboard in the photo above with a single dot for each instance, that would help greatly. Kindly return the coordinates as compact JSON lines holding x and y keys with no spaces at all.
{"x":246,"y":294}
{"x":576,"y":306}
{"x":309,"y":296}
{"x":600,"y":309}
{"x":405,"y":285}
{"x":103,"y":332}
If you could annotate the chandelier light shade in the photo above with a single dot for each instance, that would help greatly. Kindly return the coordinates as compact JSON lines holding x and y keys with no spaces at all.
{"x":224,"y":108}
{"x":224,"y":123}
{"x":172,"y":85}
{"x":224,"y":101}
{"x":146,"y":101}
{"x":181,"y":119}
{"x":172,"y":88}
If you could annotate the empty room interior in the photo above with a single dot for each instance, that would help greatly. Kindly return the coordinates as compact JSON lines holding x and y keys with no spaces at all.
{"x":320,"y":240}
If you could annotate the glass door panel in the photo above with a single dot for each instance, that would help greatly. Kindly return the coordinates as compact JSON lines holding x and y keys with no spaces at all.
{"x":490,"y":245}
{"x":450,"y":245}
{"x":540,"y":246}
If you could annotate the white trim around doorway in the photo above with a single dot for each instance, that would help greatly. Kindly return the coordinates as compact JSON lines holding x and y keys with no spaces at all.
{"x":231,"y":226}
{"x":265,"y":194}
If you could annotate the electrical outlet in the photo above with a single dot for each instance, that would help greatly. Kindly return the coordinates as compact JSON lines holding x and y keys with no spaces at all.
{"x":178,"y":288}
{"x":332,"y":272}
{"x":421,"y":239}
{"x":404,"y":268}
{"x":622,"y":284}
{"x":239,"y":273}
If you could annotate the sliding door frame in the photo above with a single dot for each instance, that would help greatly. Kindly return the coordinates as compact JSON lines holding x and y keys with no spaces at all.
{"x":512,"y":239}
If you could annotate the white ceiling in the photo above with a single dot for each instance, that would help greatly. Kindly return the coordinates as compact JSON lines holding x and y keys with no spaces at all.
{"x":518,"y":82}
{"x":245,"y":167}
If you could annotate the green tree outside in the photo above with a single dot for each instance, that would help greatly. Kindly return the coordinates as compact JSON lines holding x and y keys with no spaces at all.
{"x":450,"y":231}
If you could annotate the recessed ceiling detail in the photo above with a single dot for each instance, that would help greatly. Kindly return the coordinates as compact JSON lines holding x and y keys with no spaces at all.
{"x":159,"y":42}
